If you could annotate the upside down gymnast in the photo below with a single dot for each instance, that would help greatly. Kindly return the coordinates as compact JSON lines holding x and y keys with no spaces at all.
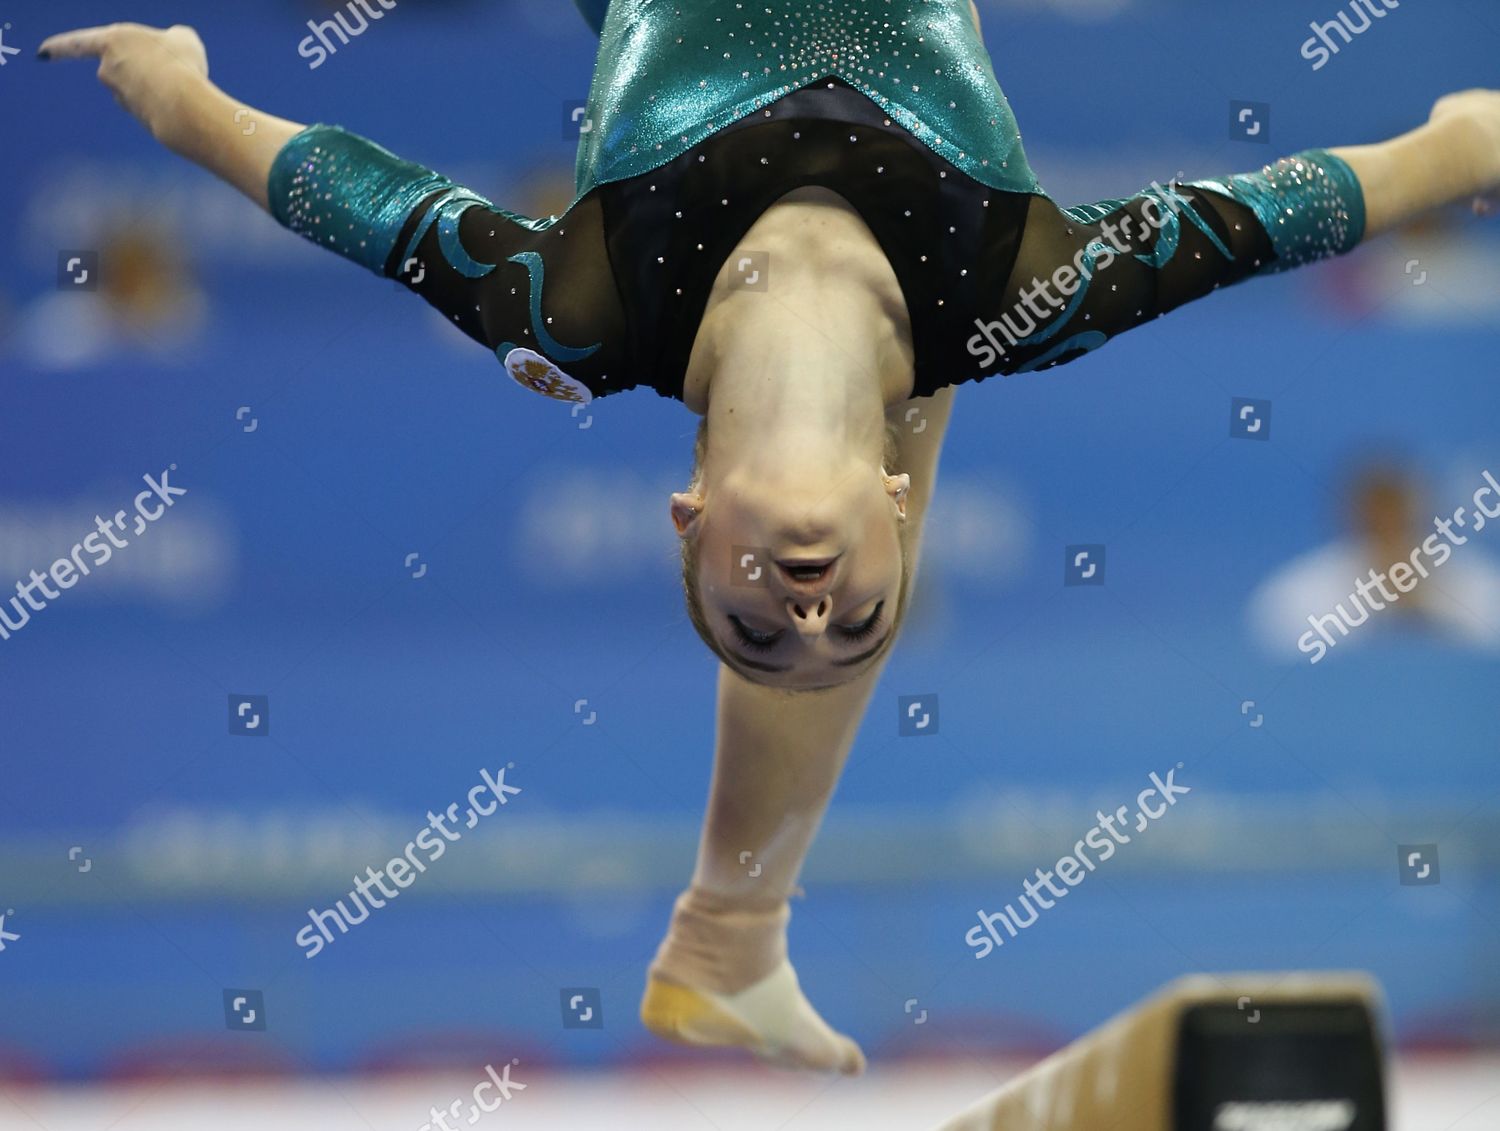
{"x":865,"y":148}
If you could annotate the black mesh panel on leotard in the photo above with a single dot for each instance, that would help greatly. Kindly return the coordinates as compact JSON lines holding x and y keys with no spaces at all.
{"x":1137,"y":272}
{"x":567,"y":265}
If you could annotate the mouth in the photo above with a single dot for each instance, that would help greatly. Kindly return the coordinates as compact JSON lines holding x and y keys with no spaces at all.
{"x":806,"y":572}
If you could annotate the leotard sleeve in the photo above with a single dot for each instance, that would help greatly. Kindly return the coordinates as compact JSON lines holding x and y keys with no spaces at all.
{"x":1084,"y":275}
{"x":483,"y":267}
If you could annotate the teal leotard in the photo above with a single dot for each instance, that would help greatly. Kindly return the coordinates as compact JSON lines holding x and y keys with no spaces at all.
{"x":702,"y":113}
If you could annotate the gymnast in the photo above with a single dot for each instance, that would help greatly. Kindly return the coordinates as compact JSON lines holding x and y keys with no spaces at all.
{"x":862,"y":153}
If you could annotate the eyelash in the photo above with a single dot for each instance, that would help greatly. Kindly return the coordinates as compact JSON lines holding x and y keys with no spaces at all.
{"x":862,"y":633}
{"x":868,"y":629}
{"x":753,"y":644}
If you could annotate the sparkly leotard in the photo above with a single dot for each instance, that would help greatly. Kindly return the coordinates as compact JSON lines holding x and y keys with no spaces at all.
{"x":703,"y":113}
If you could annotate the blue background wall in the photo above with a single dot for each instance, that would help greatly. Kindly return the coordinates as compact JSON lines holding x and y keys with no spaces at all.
{"x":378,"y":434}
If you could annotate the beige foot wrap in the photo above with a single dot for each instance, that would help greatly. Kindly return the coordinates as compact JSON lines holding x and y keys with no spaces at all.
{"x":721,"y":978}
{"x":772,"y":1019}
{"x":719,"y":944}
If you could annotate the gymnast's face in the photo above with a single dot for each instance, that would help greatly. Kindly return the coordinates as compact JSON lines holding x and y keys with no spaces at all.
{"x":799,"y":585}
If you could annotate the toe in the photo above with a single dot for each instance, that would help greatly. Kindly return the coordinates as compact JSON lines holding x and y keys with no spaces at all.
{"x":852,"y":1059}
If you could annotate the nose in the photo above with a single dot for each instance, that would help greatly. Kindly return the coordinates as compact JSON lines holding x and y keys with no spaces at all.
{"x":810,"y":616}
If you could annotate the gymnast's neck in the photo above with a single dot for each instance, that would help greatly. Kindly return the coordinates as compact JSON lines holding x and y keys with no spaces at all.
{"x":807,"y":367}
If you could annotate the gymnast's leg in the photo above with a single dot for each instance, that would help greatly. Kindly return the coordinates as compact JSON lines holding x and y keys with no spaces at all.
{"x":721,"y":977}
{"x":776,"y":762}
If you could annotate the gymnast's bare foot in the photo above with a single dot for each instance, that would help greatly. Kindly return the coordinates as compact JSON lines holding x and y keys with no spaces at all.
{"x":771,"y":1018}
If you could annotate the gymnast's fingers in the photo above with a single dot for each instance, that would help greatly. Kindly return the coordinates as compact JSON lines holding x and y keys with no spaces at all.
{"x":1487,"y":205}
{"x":89,"y":42}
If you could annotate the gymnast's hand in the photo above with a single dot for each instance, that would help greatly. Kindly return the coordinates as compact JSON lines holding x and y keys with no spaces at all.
{"x":160,"y":75}
{"x":145,"y":68}
{"x":1454,"y":156}
{"x":1479,"y":112}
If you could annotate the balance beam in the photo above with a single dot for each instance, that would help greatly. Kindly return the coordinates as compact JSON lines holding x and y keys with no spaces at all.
{"x":1234,"y":1052}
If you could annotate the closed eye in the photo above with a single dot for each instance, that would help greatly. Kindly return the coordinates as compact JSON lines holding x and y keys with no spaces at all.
{"x":756,"y":641}
{"x":865,"y":630}
{"x":766,"y":641}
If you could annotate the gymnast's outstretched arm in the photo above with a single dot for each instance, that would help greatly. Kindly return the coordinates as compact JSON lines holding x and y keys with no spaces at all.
{"x":480,"y":265}
{"x":1084,"y":275}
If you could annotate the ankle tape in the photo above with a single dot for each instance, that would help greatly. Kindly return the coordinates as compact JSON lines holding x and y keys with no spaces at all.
{"x":721,"y":945}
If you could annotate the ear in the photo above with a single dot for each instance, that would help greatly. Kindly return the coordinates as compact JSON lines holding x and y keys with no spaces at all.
{"x":897,"y":487}
{"x":686,"y":507}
